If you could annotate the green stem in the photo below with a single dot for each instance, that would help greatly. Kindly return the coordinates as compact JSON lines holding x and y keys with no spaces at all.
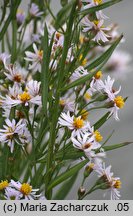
{"x":57,"y":97}
{"x":14,"y":41}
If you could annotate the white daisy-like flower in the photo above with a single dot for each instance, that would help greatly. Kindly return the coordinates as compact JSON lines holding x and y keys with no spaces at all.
{"x":29,"y":96}
{"x":109,"y":89}
{"x":25,"y":136}
{"x":86,"y":143}
{"x":33,"y":87}
{"x":93,"y":3}
{"x":58,"y":41}
{"x":111,"y":183}
{"x":76,"y":124}
{"x":116,"y":101}
{"x":15,"y":73}
{"x":34,"y":10}
{"x":58,"y":44}
{"x":3,"y":59}
{"x":25,"y":189}
{"x":35,"y":58}
{"x":9,"y":133}
{"x":79,"y":72}
{"x":67,"y":104}
{"x":12,"y":194}
{"x":96,"y":83}
{"x":98,"y":29}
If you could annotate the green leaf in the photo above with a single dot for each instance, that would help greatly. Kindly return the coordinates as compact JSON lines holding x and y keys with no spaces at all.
{"x":101,"y":121}
{"x":116,"y":146}
{"x":105,"y":56}
{"x":99,"y":61}
{"x":13,"y":10}
{"x":72,"y":153}
{"x":45,"y":69}
{"x":99,"y":7}
{"x":63,"y":14}
{"x":72,"y":171}
{"x":65,"y":188}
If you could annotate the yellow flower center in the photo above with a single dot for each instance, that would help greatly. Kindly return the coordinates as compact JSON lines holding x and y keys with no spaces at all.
{"x":58,"y":35}
{"x":96,"y":22}
{"x":26,"y":189}
{"x":98,"y":136}
{"x":3,"y":184}
{"x":40,"y":54}
{"x":84,"y":114}
{"x":87,"y":96}
{"x":90,"y":167}
{"x":81,"y":39}
{"x":119,"y":101}
{"x":62,"y":102}
{"x":98,"y":1}
{"x":98,"y":75}
{"x":25,"y":96}
{"x":78,"y":123}
{"x":84,"y":61}
{"x":117,"y":184}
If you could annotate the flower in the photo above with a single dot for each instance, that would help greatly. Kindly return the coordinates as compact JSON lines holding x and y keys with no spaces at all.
{"x":12,"y":194}
{"x":92,"y":3}
{"x":97,"y":28}
{"x":117,"y":102}
{"x":35,"y":58}
{"x":20,"y":16}
{"x":4,"y":184}
{"x":34,"y":10}
{"x":15,"y":73}
{"x":86,"y":143}
{"x":96,"y":83}
{"x":67,"y":104}
{"x":25,"y":190}
{"x":29,"y":96}
{"x":78,"y":73}
{"x":76,"y":124}
{"x":9,"y":133}
{"x":33,"y":87}
{"x":3,"y":59}
{"x":108,"y":181}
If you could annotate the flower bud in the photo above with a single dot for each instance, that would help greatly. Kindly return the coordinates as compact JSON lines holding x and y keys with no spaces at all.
{"x":81,"y":191}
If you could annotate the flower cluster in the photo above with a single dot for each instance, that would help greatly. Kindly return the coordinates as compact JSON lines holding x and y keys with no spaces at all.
{"x":16,"y":191}
{"x":52,"y":80}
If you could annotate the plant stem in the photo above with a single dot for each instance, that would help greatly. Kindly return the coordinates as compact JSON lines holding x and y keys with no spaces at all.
{"x":14,"y":41}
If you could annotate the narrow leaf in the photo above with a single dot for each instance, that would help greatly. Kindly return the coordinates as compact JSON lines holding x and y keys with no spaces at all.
{"x":45,"y":69}
{"x":116,"y":146}
{"x":105,"y":56}
{"x":65,"y":188}
{"x":101,"y":121}
{"x":9,"y":18}
{"x":63,"y":14}
{"x":99,"y":61}
{"x":72,"y":171}
{"x":99,"y":7}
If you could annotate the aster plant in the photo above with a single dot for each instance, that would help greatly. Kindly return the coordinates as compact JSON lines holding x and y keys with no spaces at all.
{"x":53,"y":70}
